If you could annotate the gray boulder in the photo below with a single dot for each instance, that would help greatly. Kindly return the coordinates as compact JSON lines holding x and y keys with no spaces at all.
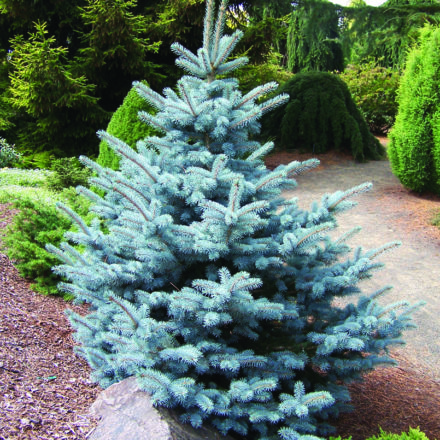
{"x":126,"y":413}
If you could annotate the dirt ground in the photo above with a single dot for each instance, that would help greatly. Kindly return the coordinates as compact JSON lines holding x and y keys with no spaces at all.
{"x":44,"y":388}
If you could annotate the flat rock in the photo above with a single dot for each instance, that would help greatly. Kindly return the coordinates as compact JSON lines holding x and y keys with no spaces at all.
{"x":126,"y":413}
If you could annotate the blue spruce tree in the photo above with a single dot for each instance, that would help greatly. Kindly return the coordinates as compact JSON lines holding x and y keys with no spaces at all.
{"x":205,"y":283}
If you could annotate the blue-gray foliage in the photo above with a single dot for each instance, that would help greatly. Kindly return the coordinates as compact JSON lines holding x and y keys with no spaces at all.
{"x":205,"y":283}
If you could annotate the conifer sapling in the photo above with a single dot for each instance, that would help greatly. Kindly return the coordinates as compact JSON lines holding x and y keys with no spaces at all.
{"x":206,"y":284}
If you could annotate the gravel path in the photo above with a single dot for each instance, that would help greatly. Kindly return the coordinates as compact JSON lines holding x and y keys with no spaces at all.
{"x":388,"y":213}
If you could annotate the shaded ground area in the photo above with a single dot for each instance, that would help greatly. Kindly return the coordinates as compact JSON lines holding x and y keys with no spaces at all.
{"x":44,"y":388}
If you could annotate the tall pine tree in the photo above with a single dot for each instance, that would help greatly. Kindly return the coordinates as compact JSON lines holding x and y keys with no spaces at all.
{"x":206,"y":284}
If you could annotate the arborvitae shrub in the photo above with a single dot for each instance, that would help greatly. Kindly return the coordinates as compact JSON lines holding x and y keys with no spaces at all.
{"x":414,"y":150}
{"x":321,"y":116}
{"x":125,"y":125}
{"x":213,"y":290}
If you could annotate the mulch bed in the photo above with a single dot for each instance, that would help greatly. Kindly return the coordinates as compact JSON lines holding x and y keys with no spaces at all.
{"x":44,"y":387}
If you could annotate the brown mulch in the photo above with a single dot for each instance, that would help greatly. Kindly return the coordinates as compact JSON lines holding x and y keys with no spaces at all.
{"x":46,"y":392}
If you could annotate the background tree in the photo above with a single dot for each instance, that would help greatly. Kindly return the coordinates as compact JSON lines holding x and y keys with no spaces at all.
{"x":387,"y":32}
{"x":115,"y":48}
{"x":374,"y":90}
{"x":313,"y":41}
{"x":56,"y":100}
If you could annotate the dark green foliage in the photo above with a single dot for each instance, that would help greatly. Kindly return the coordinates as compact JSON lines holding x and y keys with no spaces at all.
{"x":8,"y":155}
{"x":125,"y":125}
{"x":116,"y":48}
{"x":56,"y":99}
{"x":38,"y":223}
{"x":374,"y":90}
{"x":313,"y":38}
{"x":385,"y":33}
{"x":321,"y":116}
{"x":6,"y":112}
{"x":414,"y":149}
{"x":67,"y":172}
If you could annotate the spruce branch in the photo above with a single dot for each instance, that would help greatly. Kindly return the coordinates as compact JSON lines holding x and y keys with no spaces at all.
{"x":153,"y":121}
{"x":261,"y":152}
{"x":181,"y":51}
{"x":229,"y":44}
{"x":60,"y":254}
{"x":145,"y":214}
{"x":387,"y":247}
{"x":272,"y":103}
{"x":208,"y":23}
{"x":75,"y":218}
{"x":125,"y":309}
{"x":257,"y":93}
{"x":187,"y":98}
{"x":219,"y":26}
{"x":150,"y":95}
{"x":343,"y":196}
{"x":132,"y":188}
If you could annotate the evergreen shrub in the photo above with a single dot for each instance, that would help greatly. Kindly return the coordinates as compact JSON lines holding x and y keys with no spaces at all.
{"x":208,"y":286}
{"x":374,"y":90}
{"x":321,"y":116}
{"x":67,"y":172}
{"x":38,"y":223}
{"x":125,"y":125}
{"x":414,"y":148}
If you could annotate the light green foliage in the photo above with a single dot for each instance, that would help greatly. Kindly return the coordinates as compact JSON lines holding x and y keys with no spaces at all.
{"x":321,"y":116}
{"x":374,"y":90}
{"x":67,"y":172}
{"x":8,"y":155}
{"x":55,"y":98}
{"x":412,"y":434}
{"x":414,"y":149}
{"x":14,"y":177}
{"x":313,"y":41}
{"x":38,"y":223}
{"x":125,"y":125}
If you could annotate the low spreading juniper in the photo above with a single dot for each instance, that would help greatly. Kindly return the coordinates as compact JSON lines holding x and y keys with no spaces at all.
{"x":207,"y":285}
